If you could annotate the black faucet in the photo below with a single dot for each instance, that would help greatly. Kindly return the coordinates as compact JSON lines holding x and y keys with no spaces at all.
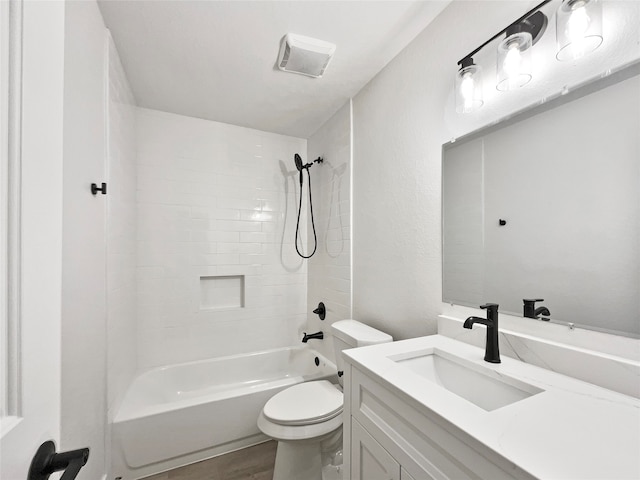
{"x":530,"y":310}
{"x":317,"y":335}
{"x":491,"y":352}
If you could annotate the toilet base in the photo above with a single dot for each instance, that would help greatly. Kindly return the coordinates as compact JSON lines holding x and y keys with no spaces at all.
{"x":304,"y":460}
{"x":298,"y":461}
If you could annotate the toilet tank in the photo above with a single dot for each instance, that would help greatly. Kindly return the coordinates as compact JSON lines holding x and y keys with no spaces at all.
{"x":351,"y":334}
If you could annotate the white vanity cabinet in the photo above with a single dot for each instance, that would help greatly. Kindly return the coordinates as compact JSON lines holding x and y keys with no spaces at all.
{"x":393,"y":438}
{"x":432,"y":408}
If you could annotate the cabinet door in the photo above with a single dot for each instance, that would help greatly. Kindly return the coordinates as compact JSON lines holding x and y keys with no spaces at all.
{"x":404,"y":475}
{"x":369,"y":460}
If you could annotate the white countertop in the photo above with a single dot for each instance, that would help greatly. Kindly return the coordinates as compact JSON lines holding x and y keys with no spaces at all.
{"x":571,"y":430}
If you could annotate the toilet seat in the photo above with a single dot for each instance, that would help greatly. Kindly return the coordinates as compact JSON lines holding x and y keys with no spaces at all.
{"x":307,"y":403}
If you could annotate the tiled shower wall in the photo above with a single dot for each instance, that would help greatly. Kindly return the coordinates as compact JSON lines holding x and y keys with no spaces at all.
{"x":217,"y":272}
{"x":330,"y":268}
{"x":121,"y":233}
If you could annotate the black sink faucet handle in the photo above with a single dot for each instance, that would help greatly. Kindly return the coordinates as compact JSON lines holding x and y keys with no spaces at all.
{"x":489,"y":306}
{"x":492,"y":311}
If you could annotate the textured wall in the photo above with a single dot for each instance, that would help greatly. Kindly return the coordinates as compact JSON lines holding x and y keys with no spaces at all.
{"x":215,"y":200}
{"x":121,"y":234}
{"x":329,"y":270}
{"x":402,"y":118}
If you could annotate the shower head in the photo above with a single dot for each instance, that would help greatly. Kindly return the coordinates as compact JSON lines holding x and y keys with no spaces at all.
{"x":300,"y":167}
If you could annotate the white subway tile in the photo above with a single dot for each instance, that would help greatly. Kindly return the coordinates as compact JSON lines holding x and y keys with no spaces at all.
{"x":215,"y":206}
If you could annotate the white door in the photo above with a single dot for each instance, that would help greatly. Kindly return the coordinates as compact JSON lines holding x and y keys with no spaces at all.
{"x":31,"y":303}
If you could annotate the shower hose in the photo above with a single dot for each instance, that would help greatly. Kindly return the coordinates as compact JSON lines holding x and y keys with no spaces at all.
{"x":315,"y":238}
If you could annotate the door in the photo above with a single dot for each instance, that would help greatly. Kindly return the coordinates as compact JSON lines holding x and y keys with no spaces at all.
{"x":31,"y":230}
{"x":370,"y":461}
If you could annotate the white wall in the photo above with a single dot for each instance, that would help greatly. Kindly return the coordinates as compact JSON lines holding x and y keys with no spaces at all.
{"x":121,"y":234}
{"x":401,"y":119}
{"x":84,"y":373}
{"x":215,"y":200}
{"x":329,"y":270}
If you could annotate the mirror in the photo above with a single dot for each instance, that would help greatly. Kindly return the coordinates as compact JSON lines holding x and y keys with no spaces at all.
{"x":546,"y":205}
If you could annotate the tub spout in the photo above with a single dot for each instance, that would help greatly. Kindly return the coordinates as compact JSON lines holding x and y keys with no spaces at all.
{"x":317,"y":335}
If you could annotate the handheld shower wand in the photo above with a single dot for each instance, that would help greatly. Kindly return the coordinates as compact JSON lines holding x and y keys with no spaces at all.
{"x":300,"y":166}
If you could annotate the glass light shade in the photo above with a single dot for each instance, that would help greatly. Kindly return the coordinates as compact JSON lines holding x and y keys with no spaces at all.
{"x":578,"y":28}
{"x":469,"y":89}
{"x":514,"y":61}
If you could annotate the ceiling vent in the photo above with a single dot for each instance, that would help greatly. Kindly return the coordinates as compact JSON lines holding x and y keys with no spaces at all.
{"x":304,"y":55}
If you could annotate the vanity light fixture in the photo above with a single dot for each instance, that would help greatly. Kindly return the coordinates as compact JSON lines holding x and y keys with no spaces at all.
{"x":578,"y":32}
{"x":578,"y":28}
{"x":514,"y":60}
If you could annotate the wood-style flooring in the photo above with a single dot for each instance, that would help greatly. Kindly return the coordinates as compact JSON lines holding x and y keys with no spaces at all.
{"x":252,"y":463}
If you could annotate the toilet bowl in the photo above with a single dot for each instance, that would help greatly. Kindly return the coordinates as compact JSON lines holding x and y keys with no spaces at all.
{"x":306,"y":419}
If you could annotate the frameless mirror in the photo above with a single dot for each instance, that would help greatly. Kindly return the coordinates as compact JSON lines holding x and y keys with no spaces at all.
{"x":546,"y":205}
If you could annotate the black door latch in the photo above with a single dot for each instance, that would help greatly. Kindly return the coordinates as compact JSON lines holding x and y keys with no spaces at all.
{"x":46,"y":461}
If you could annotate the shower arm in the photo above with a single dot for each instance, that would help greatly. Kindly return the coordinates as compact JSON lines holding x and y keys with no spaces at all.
{"x":317,"y":160}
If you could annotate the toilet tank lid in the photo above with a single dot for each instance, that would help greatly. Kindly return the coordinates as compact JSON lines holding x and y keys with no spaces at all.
{"x":358,"y":334}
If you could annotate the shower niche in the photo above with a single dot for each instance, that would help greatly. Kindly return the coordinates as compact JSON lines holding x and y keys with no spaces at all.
{"x":222,"y":292}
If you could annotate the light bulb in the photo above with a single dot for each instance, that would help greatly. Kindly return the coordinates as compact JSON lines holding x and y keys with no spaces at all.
{"x":467,"y":87}
{"x":577,"y":27}
{"x":578,"y":23}
{"x":512,"y":61}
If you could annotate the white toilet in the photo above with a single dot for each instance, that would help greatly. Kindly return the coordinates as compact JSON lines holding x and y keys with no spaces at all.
{"x":306,"y":419}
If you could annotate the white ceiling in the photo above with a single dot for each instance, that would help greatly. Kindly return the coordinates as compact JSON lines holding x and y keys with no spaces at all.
{"x":217,"y":59}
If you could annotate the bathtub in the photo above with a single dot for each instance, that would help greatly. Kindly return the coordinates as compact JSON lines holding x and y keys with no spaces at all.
{"x":179,"y":414}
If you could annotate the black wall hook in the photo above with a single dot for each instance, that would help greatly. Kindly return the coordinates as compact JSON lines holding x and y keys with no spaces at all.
{"x":95,"y":189}
{"x":46,"y":461}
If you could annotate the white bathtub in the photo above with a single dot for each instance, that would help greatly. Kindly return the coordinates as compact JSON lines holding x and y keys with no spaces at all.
{"x":180,"y":414}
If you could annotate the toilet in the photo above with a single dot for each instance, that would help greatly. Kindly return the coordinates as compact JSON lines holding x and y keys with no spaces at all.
{"x":306,"y":419}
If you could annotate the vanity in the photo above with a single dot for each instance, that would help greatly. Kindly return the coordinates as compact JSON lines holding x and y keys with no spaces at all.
{"x":432,"y":408}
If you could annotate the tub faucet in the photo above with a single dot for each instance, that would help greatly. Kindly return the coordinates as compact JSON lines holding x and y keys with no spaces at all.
{"x":317,"y":335}
{"x":491,"y":352}
{"x":530,"y":310}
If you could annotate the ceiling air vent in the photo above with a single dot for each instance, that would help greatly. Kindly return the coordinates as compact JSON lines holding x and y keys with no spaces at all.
{"x":304,"y":55}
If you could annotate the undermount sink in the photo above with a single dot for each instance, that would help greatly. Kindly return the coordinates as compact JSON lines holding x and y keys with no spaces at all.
{"x":484,"y":387}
